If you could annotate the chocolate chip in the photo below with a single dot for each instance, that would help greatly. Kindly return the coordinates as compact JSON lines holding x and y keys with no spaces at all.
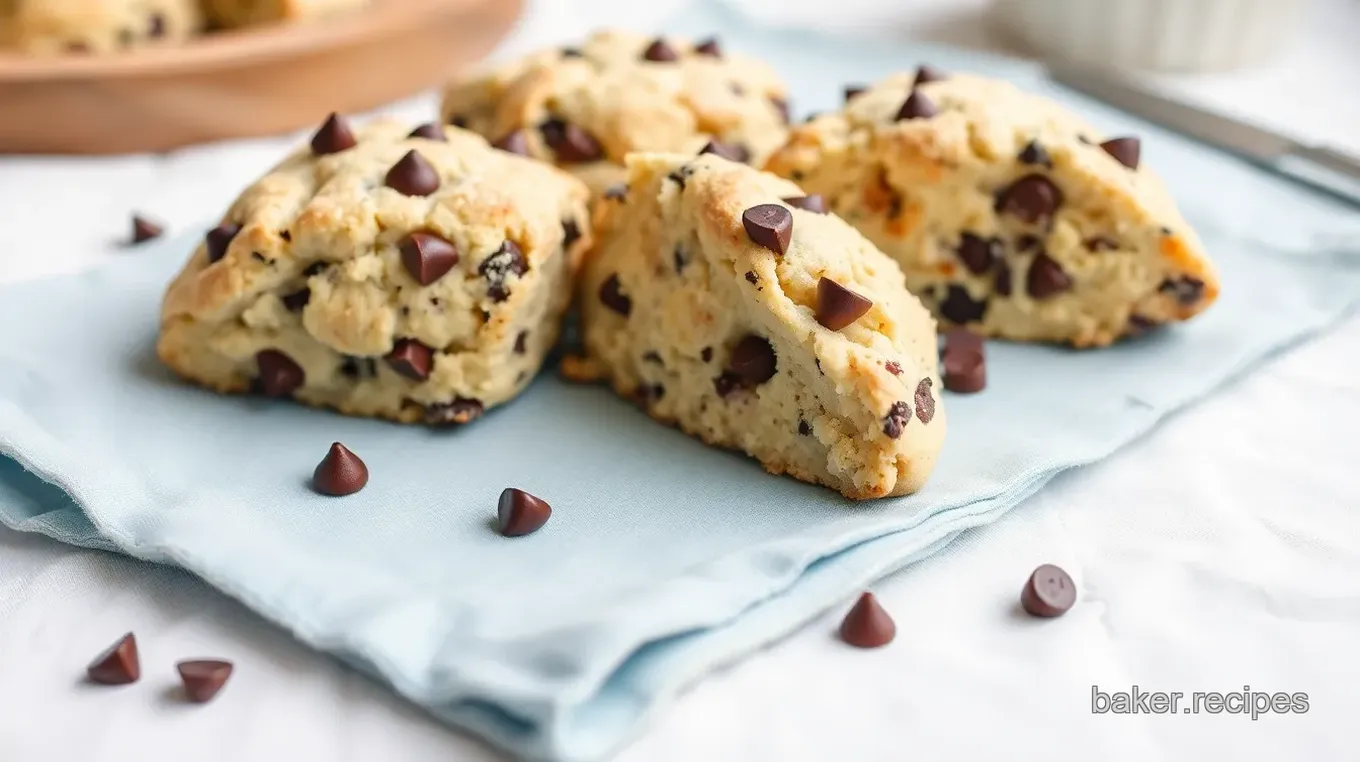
{"x":899,"y":415}
{"x":295,"y":301}
{"x":781,"y":107}
{"x":916,"y":106}
{"x":726,"y":383}
{"x":612,"y":296}
{"x":427,"y":257}
{"x":356,"y":367}
{"x":219,"y":238}
{"x":1139,"y":325}
{"x":144,"y":230}
{"x":709,"y":48}
{"x":618,"y":192}
{"x":926,"y":73}
{"x":460,"y":411}
{"x":507,"y":260}
{"x":810,"y":203}
{"x":518,"y":513}
{"x":893,"y":368}
{"x":706,"y":354}
{"x":1032,"y":199}
{"x":730,"y":151}
{"x":1046,"y":278}
{"x":279,"y":376}
{"x":203,"y":678}
{"x":340,"y":473}
{"x":803,"y":428}
{"x":571,"y":233}
{"x":285,"y":235}
{"x":1126,"y":151}
{"x":959,"y":307}
{"x":867,"y":625}
{"x":837,"y":306}
{"x":964,"y":363}
{"x":1003,"y":280}
{"x":413,"y":175}
{"x":157,"y":27}
{"x":853,"y":90}
{"x":753,"y":360}
{"x":411,"y":359}
{"x":660,"y":52}
{"x":751,"y":278}
{"x":1033,"y":153}
{"x":258,"y":257}
{"x":979,"y":254}
{"x":118,"y":665}
{"x":1185,"y":290}
{"x":925,"y":401}
{"x":570,"y":143}
{"x":769,"y":225}
{"x":681,"y":259}
{"x":1100,"y":243}
{"x":1049,"y":592}
{"x":516,"y":142}
{"x":333,"y":137}
{"x":430,"y":131}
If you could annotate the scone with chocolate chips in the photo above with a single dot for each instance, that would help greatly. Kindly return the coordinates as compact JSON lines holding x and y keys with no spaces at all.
{"x":57,"y":27}
{"x":416,"y":276}
{"x":1008,"y":215}
{"x":726,"y":302}
{"x":232,"y":13}
{"x":586,"y":107}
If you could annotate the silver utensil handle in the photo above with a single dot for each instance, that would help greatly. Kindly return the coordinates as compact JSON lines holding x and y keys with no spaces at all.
{"x":1334,"y":161}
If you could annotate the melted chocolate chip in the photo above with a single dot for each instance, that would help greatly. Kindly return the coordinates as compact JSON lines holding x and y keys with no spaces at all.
{"x":1046,"y":278}
{"x":279,"y":375}
{"x":753,"y":360}
{"x":219,"y":238}
{"x":979,"y":254}
{"x":706,"y":354}
{"x":726,"y":383}
{"x":498,"y":267}
{"x":803,"y":428}
{"x":899,"y":415}
{"x":960,"y":307}
{"x":1032,"y":198}
{"x":570,"y":143}
{"x":612,"y":296}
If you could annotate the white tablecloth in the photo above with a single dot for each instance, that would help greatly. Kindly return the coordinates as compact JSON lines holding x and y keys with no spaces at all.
{"x":1221,"y":553}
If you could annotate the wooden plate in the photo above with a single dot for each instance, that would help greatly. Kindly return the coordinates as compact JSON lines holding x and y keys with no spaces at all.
{"x":242,"y":83}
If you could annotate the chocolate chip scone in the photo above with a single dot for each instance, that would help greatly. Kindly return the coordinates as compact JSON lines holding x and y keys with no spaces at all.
{"x":726,"y":302}
{"x":416,"y":278}
{"x":586,"y":107}
{"x":1008,"y":215}
{"x":54,"y":27}
{"x":233,"y":13}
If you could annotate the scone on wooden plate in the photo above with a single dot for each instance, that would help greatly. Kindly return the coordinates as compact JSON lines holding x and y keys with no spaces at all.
{"x":726,"y":302}
{"x":58,"y":27}
{"x":1008,"y":215}
{"x":233,"y":13}
{"x":412,"y":276}
{"x":587,"y":106}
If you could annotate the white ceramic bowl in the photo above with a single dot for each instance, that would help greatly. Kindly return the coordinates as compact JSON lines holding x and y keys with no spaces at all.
{"x":1161,"y":35}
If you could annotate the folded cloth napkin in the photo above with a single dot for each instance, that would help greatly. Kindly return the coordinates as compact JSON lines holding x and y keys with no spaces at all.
{"x":664,"y":558}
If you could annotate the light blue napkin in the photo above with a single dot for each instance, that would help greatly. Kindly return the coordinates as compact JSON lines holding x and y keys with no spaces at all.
{"x":664,"y":558}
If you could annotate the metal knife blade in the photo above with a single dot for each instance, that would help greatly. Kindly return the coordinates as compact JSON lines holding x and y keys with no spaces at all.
{"x":1320,"y":166}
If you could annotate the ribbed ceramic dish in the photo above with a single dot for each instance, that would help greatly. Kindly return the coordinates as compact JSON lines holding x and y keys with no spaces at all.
{"x":242,"y":83}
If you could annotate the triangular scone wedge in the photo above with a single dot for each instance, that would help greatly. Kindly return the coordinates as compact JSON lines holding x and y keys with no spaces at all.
{"x":688,"y":307}
{"x":1008,"y":215}
{"x":416,"y":277}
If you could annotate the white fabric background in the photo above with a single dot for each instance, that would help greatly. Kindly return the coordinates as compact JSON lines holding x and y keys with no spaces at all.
{"x":1221,"y":551}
